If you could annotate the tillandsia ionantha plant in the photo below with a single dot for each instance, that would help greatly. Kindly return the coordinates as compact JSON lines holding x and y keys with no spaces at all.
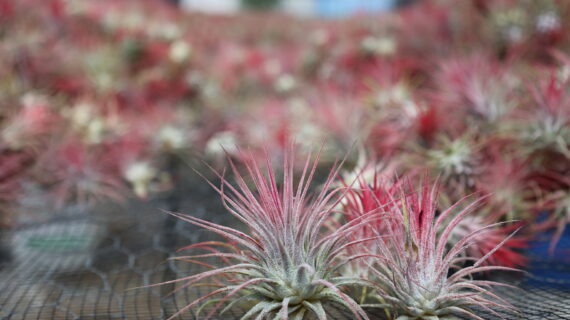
{"x":489,"y":238}
{"x":367,"y":194}
{"x":549,"y":129}
{"x":457,"y":161}
{"x":75,"y":176}
{"x":507,"y":200}
{"x":478,"y":86}
{"x":414,"y":263}
{"x":285,"y":265}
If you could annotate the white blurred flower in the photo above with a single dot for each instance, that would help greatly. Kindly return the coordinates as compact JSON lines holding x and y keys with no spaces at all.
{"x":285,"y":83}
{"x":163,"y":30}
{"x":547,"y":22}
{"x":221,"y":141}
{"x":320,"y":37}
{"x":32,"y":100}
{"x":563,"y":73}
{"x":95,"y":131}
{"x":87,"y":122}
{"x":140,"y":175}
{"x":180,"y":51}
{"x":396,"y":94}
{"x":383,"y":46}
{"x":172,"y":138}
{"x":28,"y":122}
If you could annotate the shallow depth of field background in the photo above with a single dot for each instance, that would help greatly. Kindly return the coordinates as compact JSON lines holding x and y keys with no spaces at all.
{"x":106,"y":107}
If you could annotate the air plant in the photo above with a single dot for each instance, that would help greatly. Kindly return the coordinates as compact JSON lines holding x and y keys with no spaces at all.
{"x":489,"y":238}
{"x":514,"y":196}
{"x":369,"y":193}
{"x":478,"y":85}
{"x":367,"y":170}
{"x":456,"y":161}
{"x":32,"y":122}
{"x":73,"y":174}
{"x":414,"y":264}
{"x":394,"y":107}
{"x":283,"y":266}
{"x":337,"y":116}
{"x":549,"y":126}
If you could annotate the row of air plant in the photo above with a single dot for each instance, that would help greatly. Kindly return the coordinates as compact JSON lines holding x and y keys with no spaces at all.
{"x":388,"y":244}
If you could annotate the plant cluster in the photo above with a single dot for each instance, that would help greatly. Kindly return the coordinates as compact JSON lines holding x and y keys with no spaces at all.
{"x":393,"y":247}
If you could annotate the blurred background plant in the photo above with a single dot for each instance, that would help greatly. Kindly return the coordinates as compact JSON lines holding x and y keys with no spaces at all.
{"x":111,"y":92}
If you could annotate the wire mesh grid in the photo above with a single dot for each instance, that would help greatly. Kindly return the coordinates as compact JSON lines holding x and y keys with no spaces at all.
{"x":86,"y":267}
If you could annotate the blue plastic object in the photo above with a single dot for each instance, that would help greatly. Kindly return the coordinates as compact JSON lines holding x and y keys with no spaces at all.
{"x":549,"y":269}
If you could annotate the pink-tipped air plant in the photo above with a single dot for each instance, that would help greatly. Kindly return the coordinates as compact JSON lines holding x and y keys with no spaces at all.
{"x":513,"y":197}
{"x":285,"y":265}
{"x":370,"y":194}
{"x":414,"y":261}
{"x":29,"y":125}
{"x":457,"y":160}
{"x":549,"y":125}
{"x":486,"y":241}
{"x":477,"y":85}
{"x":76,"y":175}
